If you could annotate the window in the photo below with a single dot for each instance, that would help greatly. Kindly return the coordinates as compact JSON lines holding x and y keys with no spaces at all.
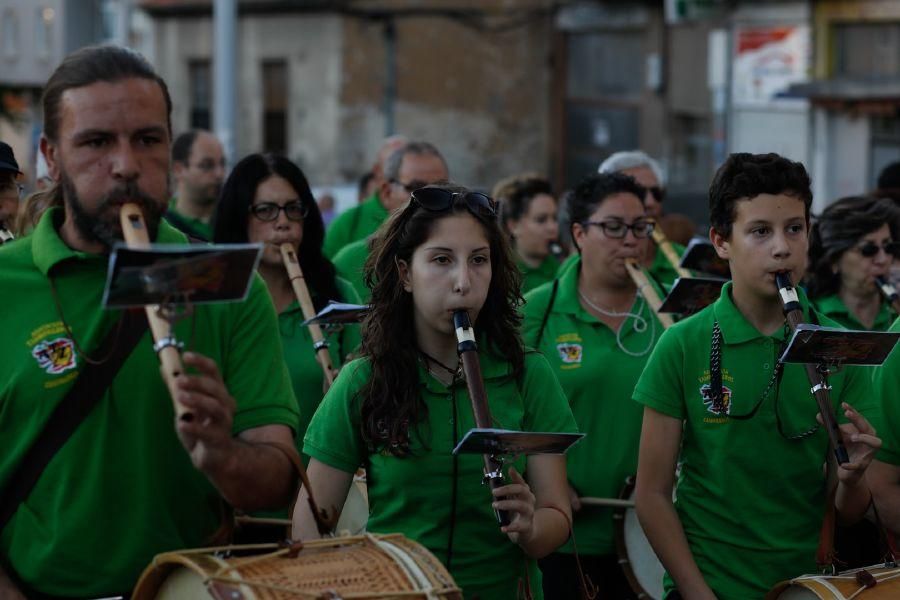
{"x":275,"y":101}
{"x":43,"y":31}
{"x":9,"y":33}
{"x":199,"y":82}
{"x":867,"y":50}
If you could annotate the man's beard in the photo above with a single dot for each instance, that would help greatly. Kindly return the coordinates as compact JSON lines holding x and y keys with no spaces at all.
{"x":103,"y":225}
{"x":208,"y":195}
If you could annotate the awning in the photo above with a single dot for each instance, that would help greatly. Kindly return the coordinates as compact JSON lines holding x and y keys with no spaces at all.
{"x":869,"y":97}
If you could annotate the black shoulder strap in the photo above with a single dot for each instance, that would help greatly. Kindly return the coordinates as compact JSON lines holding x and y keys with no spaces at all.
{"x":84,"y":394}
{"x":540,"y":335}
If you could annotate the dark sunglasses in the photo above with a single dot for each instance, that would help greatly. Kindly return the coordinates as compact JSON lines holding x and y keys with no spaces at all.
{"x":409,"y":187}
{"x":269,"y":211}
{"x":870,"y":249}
{"x":439,"y":200}
{"x":657,"y":192}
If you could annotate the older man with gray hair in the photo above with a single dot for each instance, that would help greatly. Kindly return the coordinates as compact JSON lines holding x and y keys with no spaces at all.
{"x":649,"y":175}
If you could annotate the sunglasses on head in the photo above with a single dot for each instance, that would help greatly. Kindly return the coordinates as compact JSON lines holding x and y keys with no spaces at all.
{"x":439,"y":200}
{"x":269,"y":211}
{"x":870,"y":249}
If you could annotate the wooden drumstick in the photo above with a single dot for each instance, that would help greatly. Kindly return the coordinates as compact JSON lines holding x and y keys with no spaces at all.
{"x":292,"y":264}
{"x":648,"y":291}
{"x":135,"y":233}
{"x":668,"y":251}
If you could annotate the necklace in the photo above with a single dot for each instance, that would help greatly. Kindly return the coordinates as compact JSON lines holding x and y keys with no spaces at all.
{"x":638,"y":324}
{"x":442,"y":377}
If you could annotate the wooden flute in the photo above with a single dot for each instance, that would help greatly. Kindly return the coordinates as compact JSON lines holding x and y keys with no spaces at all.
{"x":6,"y":236}
{"x":668,"y":251}
{"x":134,"y":230}
{"x":468,"y":353}
{"x":320,"y":345}
{"x":820,"y":389}
{"x":645,"y":287}
{"x":890,"y":292}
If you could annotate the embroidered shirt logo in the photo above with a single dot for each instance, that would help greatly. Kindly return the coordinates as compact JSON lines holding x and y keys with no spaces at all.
{"x":569,"y":353}
{"x":706,"y":395}
{"x":55,"y":356}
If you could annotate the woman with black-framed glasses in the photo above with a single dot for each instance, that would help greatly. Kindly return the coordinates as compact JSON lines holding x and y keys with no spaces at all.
{"x":402,"y":407}
{"x":597,"y":332}
{"x":853,"y":242}
{"x":267,"y":199}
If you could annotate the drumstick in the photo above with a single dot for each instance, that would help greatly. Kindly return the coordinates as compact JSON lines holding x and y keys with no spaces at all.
{"x":668,"y":251}
{"x":306,"y":305}
{"x":134,"y":231}
{"x":609,"y":502}
{"x":647,"y":291}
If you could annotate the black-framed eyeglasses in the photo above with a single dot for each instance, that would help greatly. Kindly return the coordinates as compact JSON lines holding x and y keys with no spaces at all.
{"x":411,"y":186}
{"x":617,"y":230}
{"x":870,"y":249}
{"x":269,"y":211}
{"x":436,"y":199}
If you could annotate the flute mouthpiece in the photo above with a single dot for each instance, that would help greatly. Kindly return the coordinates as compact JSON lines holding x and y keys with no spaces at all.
{"x":461,"y":320}
{"x":783,"y":280}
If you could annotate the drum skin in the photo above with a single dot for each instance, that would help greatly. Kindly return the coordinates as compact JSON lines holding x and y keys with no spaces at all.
{"x":637,"y":559}
{"x":361,"y":567}
{"x":843,"y":586}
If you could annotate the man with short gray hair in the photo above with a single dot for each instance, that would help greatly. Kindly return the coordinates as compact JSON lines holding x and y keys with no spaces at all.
{"x":649,"y":174}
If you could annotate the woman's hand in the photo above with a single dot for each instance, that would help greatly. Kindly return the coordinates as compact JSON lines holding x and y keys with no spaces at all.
{"x":518,"y":500}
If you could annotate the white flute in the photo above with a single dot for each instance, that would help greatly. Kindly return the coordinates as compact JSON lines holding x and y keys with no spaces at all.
{"x":292,"y":264}
{"x":134,"y":229}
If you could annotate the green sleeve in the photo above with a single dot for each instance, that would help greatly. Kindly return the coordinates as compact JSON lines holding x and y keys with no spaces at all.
{"x":661,"y":384}
{"x":349,"y":263}
{"x":536,"y":302}
{"x":333,"y":436}
{"x":546,"y":407}
{"x":351,"y":332}
{"x":886,"y":390}
{"x":253,"y":365}
{"x":338,"y":233}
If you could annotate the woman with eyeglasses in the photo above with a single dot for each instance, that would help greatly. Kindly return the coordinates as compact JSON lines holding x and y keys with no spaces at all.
{"x":528,"y":211}
{"x":853,"y":242}
{"x":402,"y":407}
{"x":266,"y":199}
{"x":597,"y":332}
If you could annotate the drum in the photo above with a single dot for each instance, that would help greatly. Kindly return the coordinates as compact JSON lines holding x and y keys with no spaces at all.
{"x":360,"y":567}
{"x":636,"y":557}
{"x":871,"y":583}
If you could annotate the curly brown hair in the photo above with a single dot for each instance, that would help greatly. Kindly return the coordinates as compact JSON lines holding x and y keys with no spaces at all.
{"x":392,"y":404}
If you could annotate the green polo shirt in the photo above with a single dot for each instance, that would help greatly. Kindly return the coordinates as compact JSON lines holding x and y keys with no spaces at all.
{"x":349,"y":263}
{"x":662,"y":270}
{"x":886,"y":383}
{"x":122,"y":488}
{"x":583,"y":352}
{"x":417,"y":495}
{"x":188,"y":225}
{"x":750,"y":501}
{"x":304,"y":369}
{"x":533,"y":277}
{"x":353,"y":224}
{"x":834,"y":308}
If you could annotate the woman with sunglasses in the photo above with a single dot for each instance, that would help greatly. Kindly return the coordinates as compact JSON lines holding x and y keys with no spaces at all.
{"x":853,"y":242}
{"x":528,"y":212}
{"x":401,"y":408}
{"x":266,"y":199}
{"x":597,"y":332}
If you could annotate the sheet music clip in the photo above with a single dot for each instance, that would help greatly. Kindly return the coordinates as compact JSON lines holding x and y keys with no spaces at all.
{"x":339,"y":313}
{"x":497,"y":442}
{"x":834,"y":347}
{"x":691,"y":294}
{"x":700,"y":255}
{"x":178,"y":275}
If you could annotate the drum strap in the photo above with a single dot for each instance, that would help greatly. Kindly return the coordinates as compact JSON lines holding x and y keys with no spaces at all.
{"x":72,"y":410}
